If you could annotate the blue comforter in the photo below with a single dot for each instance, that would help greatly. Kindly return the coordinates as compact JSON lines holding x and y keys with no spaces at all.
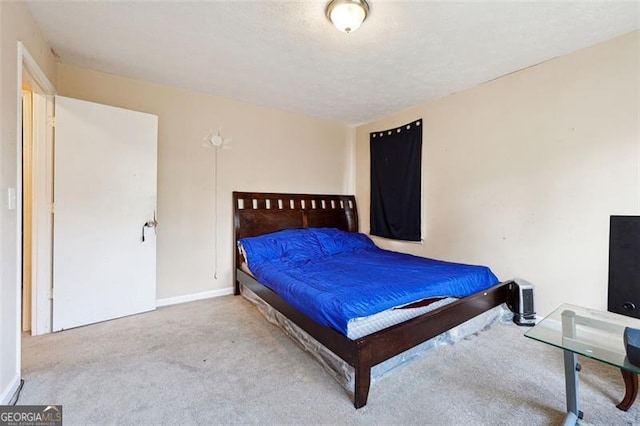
{"x":334,"y":276}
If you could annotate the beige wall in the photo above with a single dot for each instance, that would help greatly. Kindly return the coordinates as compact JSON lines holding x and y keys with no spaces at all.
{"x":16,"y":24}
{"x":522,"y":173}
{"x":272,"y":151}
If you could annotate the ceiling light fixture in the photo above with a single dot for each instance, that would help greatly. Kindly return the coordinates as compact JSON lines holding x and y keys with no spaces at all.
{"x":347,"y":15}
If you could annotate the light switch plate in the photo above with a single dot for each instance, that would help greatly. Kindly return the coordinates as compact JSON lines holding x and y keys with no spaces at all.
{"x":11,"y":198}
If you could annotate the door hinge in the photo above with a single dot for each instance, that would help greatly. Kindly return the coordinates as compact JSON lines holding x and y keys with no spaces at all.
{"x":50,"y":294}
{"x":51,"y":121}
{"x":52,"y":207}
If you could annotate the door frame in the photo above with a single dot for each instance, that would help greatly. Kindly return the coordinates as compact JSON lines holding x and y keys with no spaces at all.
{"x":42,"y":215}
{"x":26,"y":62}
{"x":27,"y":198}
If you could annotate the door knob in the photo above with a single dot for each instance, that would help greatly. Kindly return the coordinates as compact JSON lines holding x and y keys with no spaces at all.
{"x":150,"y":224}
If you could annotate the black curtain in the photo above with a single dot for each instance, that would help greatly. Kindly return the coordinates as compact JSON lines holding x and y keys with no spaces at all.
{"x":396,"y":165}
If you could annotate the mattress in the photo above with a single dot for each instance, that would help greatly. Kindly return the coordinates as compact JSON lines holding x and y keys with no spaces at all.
{"x":342,"y":280}
{"x":363,"y":326}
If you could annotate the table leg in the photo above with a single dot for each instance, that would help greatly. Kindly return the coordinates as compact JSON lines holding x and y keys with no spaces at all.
{"x":571,"y":385}
{"x":630,"y":389}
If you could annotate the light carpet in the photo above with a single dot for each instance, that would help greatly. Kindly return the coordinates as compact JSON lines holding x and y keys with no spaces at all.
{"x":218,"y":361}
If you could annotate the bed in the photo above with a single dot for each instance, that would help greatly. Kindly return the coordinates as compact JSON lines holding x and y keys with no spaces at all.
{"x":257,"y":214}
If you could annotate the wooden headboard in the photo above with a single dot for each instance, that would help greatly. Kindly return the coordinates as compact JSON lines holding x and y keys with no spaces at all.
{"x":258,"y":213}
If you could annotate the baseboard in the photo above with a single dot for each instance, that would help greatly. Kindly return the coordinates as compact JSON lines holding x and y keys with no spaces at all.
{"x":195,"y":296}
{"x":9,"y":391}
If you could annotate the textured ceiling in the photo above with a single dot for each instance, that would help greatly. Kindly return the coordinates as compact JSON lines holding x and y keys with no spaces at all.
{"x":287,"y":55}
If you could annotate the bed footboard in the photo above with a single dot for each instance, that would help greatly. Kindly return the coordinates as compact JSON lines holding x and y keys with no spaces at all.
{"x":366,"y":352}
{"x":378,"y":347}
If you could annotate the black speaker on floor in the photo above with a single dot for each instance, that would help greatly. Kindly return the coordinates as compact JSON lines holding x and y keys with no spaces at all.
{"x":624,"y":265}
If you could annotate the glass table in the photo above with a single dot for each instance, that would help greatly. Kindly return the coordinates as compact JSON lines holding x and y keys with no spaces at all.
{"x":593,"y":334}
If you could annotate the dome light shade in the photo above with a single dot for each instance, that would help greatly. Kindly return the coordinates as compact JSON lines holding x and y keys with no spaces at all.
{"x":347,"y":15}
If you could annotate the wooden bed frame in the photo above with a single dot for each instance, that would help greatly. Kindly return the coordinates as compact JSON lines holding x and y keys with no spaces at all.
{"x":261,"y":213}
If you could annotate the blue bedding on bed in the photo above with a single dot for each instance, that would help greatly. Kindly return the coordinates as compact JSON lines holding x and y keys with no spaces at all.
{"x":335,"y":276}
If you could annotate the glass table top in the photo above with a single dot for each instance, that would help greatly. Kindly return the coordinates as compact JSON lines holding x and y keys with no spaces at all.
{"x":588,"y":332}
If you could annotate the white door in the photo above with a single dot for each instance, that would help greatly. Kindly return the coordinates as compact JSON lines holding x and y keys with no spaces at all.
{"x":105,"y":162}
